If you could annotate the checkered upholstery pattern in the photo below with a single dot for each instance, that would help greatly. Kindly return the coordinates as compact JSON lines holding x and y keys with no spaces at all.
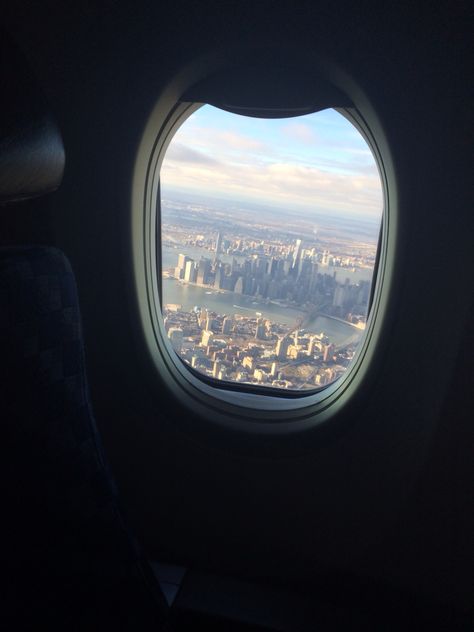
{"x":70,"y":562}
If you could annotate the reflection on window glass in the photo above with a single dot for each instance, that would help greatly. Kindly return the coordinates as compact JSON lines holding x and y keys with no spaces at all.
{"x":269,"y":231}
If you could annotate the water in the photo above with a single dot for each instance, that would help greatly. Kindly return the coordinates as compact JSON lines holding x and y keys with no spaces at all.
{"x":229,"y":303}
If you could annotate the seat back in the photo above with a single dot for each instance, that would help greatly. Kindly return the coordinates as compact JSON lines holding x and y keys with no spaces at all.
{"x":67,"y":557}
{"x":70,"y":559}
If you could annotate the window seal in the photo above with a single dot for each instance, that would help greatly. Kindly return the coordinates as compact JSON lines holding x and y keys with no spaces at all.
{"x":222,"y":406}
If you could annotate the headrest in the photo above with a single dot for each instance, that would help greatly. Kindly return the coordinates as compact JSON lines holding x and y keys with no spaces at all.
{"x":31,"y":148}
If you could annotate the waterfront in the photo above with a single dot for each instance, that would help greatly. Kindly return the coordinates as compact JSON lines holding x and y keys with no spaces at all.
{"x":170,"y":260}
{"x":230,"y":303}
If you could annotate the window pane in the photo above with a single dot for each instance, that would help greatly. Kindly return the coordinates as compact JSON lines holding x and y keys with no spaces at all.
{"x":269,"y":239}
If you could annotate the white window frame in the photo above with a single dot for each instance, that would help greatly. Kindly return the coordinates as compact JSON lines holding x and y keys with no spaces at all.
{"x":253,"y":412}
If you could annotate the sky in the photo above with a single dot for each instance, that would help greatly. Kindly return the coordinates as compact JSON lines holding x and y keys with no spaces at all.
{"x":317,"y":162}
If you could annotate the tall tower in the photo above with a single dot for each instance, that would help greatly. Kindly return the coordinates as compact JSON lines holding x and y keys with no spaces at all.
{"x":204,"y":268}
{"x":190,"y":272}
{"x":203,"y":318}
{"x":207,"y":336}
{"x":218,"y":243}
{"x":239,"y":286}
{"x":282,"y":348}
{"x":296,"y":257}
{"x":227,"y":325}
{"x":260,"y":330}
{"x":182,"y":261}
{"x":218,"y":278}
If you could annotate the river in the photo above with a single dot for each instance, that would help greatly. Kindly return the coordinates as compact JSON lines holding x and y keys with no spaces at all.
{"x":189,"y":296}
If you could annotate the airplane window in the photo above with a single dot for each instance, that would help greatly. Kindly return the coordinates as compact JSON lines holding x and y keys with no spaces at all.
{"x":269,"y":237}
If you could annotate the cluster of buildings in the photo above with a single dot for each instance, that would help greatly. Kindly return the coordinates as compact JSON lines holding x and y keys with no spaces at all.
{"x":282,"y":248}
{"x":253,"y":350}
{"x":293,"y":275}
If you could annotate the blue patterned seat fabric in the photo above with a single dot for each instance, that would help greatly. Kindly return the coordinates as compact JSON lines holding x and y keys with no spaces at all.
{"x":70,"y":562}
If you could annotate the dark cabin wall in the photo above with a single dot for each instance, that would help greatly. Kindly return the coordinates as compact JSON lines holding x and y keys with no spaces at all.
{"x":387,"y":498}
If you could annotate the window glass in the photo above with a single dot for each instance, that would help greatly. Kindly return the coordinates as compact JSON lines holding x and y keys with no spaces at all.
{"x":269,"y":232}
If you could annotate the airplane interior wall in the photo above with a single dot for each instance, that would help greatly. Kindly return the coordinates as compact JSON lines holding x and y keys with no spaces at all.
{"x":390,"y":496}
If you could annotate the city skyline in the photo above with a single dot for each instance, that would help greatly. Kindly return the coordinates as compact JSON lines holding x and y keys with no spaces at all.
{"x":284,"y":213}
{"x":252,"y":349}
{"x":244,"y":277}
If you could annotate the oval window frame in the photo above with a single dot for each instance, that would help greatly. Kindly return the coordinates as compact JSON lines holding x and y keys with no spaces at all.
{"x":237,"y":409}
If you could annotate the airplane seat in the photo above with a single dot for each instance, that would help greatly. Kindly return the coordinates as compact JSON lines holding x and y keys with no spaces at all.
{"x":67,"y":558}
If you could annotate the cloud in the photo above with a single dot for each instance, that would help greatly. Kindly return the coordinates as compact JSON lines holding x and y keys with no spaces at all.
{"x":177,"y":152}
{"x":218,"y":140}
{"x":281,"y":183}
{"x":338,"y":174}
{"x":238,"y":141}
{"x":300,"y":132}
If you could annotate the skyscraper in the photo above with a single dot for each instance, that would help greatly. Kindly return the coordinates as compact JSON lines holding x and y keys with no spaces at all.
{"x":175,"y":334}
{"x":312,"y":342}
{"x":227,"y":325}
{"x":218,"y":278}
{"x":182,"y":260}
{"x":260,"y":330}
{"x":239,"y":286}
{"x":190,"y":272}
{"x":218,"y":243}
{"x":202,"y":319}
{"x":207,"y":336}
{"x":204,"y":268}
{"x":180,"y":268}
{"x":282,"y":348}
{"x":296,"y":257}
